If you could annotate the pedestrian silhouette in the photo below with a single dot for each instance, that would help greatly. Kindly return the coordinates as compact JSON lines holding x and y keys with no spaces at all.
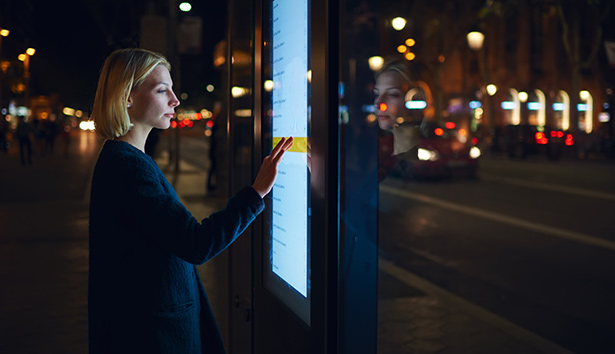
{"x":22,"y":133}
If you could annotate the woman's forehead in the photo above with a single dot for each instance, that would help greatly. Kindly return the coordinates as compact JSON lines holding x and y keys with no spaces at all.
{"x":389,"y":79}
{"x":158,"y":75}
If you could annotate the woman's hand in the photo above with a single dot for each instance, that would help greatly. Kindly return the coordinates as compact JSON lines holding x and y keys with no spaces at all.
{"x":269,"y":169}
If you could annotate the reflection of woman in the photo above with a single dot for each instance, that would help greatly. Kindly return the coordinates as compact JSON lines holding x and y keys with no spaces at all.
{"x":399,"y":128}
{"x":145,"y":295}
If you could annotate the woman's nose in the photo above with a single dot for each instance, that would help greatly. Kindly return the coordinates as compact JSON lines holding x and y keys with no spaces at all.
{"x":174,"y":101}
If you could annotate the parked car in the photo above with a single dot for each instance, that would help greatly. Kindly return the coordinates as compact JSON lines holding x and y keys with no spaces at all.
{"x":525,"y":139}
{"x":443,"y":153}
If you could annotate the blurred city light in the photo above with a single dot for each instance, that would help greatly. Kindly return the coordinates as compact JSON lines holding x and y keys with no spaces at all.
{"x":87,"y":125}
{"x":475,"y":40}
{"x":410,"y":56}
{"x":237,"y":91}
{"x":428,"y":155}
{"x":210,"y":88}
{"x":30,"y":51}
{"x":4,"y":32}
{"x":410,"y":42}
{"x":243,"y":113}
{"x":398,"y":23}
{"x":416,"y":104}
{"x":523,"y":96}
{"x":474,"y":152}
{"x":268,"y":85}
{"x":185,"y":6}
{"x":474,"y":104}
{"x":507,"y":105}
{"x":491,"y":89}
{"x":375,"y":63}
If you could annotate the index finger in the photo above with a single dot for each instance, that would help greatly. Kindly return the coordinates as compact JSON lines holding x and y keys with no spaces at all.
{"x":283,"y":145}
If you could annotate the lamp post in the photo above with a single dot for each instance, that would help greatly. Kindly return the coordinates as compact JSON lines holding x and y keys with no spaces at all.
{"x":25,"y":57}
{"x":476,"y":40}
{"x":3,"y":33}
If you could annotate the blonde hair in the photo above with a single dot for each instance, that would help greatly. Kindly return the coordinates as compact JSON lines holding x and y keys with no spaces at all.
{"x":396,"y":66}
{"x":123,"y":71}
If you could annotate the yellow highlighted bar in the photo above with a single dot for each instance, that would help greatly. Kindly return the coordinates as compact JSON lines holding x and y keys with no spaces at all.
{"x":300,"y":144}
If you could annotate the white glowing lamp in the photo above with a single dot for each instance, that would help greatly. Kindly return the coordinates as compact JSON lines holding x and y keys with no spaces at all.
{"x":475,"y":40}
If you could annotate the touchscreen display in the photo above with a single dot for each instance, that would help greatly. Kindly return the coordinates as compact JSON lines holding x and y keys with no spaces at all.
{"x":289,"y":58}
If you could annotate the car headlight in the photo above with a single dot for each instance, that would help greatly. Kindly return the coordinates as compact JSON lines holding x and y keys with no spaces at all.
{"x":474,"y":152}
{"x":428,"y":155}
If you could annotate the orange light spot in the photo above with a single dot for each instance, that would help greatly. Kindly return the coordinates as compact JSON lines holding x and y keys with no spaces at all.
{"x":439,"y":131}
{"x":383,"y":107}
{"x":173,"y":124}
{"x":462,"y":132}
{"x":449,"y":125}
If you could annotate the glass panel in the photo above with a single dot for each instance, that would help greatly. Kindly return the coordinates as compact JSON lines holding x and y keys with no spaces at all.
{"x":488,"y":213}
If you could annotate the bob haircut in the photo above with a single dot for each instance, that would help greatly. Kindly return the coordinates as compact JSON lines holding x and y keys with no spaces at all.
{"x":123,"y":71}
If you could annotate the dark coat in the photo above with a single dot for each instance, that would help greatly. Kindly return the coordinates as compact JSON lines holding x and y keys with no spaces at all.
{"x":145,"y":295}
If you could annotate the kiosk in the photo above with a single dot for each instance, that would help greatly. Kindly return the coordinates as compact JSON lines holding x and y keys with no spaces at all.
{"x":310,"y":289}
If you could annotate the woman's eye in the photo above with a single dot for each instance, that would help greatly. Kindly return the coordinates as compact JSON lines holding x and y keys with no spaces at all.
{"x":162,"y":91}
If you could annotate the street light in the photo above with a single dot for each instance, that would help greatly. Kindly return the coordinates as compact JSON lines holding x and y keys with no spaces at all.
{"x":3,"y":33}
{"x":25,"y":57}
{"x":185,"y":6}
{"x":398,"y":23}
{"x":475,"y":40}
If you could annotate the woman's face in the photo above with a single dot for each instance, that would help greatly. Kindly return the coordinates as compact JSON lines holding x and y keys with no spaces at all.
{"x":390,"y":92}
{"x":153,"y":104}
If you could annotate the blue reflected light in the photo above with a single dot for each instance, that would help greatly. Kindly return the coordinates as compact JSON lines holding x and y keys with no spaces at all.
{"x":582,"y":107}
{"x":533,"y":106}
{"x":558,"y":106}
{"x":370,"y":108}
{"x":416,"y":104}
{"x":475,"y":104}
{"x":508,"y":105}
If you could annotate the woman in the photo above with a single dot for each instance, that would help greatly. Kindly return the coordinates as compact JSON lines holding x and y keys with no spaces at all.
{"x":399,"y":129}
{"x":145,"y":295}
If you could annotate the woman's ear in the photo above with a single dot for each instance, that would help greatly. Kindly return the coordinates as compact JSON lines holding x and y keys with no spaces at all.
{"x":129,"y":102}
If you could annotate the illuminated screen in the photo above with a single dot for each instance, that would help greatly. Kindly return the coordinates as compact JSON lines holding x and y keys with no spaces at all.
{"x":288,"y":60}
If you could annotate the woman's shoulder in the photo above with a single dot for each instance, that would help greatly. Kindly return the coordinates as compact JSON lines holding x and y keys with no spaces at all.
{"x":123,"y":156}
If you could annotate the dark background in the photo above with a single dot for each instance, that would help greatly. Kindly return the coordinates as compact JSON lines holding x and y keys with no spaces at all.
{"x":73,"y":37}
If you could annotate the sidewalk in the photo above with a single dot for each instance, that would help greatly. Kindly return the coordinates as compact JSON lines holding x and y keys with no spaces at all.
{"x":44,"y":265}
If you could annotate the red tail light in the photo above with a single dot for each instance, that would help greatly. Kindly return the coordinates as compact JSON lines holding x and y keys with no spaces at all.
{"x":540,"y":138}
{"x":568,"y":140}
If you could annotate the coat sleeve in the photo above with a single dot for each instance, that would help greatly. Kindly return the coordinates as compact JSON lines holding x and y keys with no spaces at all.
{"x":160,"y":218}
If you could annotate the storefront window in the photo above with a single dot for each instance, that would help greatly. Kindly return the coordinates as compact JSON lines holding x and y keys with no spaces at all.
{"x":446,"y":203}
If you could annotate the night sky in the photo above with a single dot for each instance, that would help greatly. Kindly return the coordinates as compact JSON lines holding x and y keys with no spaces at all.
{"x":73,"y":37}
